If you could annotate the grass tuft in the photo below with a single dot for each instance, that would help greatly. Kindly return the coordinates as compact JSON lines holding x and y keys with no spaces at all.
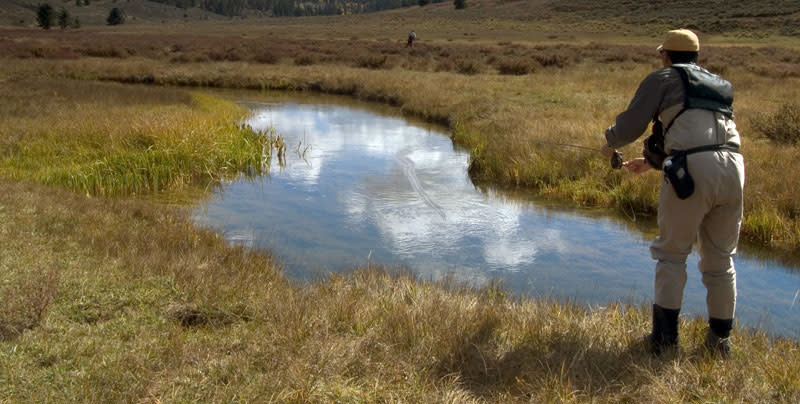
{"x":25,"y":301}
{"x":782,"y":126}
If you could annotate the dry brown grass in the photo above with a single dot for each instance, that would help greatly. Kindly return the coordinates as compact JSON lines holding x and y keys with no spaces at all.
{"x":149,"y":308}
{"x":270,"y":48}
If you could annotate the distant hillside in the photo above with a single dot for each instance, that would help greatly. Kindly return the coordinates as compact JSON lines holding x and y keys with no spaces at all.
{"x":705,"y":15}
{"x":23,"y":12}
{"x":712,"y":16}
{"x":282,"y":8}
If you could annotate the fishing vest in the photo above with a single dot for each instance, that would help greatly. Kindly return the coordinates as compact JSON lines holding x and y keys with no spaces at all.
{"x":702,"y":90}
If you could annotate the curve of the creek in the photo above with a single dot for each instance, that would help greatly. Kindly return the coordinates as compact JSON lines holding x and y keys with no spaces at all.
{"x":362,"y":185}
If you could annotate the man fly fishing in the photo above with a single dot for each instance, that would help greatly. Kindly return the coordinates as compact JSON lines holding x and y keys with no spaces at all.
{"x":412,"y":36}
{"x":695,"y":142}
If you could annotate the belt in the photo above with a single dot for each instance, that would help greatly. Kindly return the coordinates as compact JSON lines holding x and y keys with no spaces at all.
{"x":731,"y":147}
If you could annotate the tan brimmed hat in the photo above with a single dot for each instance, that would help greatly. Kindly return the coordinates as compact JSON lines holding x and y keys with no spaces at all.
{"x":681,"y":40}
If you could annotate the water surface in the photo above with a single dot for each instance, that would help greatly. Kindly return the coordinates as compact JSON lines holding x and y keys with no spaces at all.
{"x":361,"y":187}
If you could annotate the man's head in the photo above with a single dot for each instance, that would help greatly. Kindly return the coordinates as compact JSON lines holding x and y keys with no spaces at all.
{"x":680,"y":46}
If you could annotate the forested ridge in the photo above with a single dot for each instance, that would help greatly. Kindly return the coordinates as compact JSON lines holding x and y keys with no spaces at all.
{"x":293,"y":7}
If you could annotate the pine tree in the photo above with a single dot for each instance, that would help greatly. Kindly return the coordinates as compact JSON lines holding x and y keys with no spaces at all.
{"x":116,"y":16}
{"x":44,"y":16}
{"x":63,"y":18}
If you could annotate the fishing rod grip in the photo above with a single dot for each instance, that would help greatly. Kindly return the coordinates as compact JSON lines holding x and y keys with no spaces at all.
{"x":616,"y":160}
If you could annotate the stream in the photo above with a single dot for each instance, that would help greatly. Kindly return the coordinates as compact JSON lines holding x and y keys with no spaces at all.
{"x":363,"y":186}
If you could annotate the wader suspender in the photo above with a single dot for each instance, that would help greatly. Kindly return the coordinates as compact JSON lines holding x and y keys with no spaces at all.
{"x":713,"y":93}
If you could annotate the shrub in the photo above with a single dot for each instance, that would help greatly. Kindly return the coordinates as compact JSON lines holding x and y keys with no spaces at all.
{"x":554,"y":60}
{"x":469,"y":67}
{"x":372,"y":62}
{"x":65,"y":54}
{"x":266,"y":57}
{"x":25,"y":303}
{"x":782,"y":126}
{"x":42,"y":52}
{"x":234,"y":55}
{"x":516,"y":66}
{"x":230,"y":55}
{"x":180,"y":58}
{"x":717,"y":68}
{"x":107,"y":52}
{"x":445,"y":66}
{"x":304,"y":60}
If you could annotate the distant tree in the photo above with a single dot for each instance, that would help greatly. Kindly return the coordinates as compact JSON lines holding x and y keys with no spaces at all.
{"x":44,"y":16}
{"x":283,"y":8}
{"x":423,"y":3}
{"x":85,"y":2}
{"x":63,"y":18}
{"x":76,"y":23}
{"x":116,"y":16}
{"x":460,"y":4}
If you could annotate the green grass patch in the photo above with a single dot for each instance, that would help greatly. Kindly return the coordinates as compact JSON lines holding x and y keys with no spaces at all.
{"x":99,"y":148}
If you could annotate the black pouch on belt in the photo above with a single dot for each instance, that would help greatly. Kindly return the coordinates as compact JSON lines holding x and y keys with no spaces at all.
{"x":653,"y":150}
{"x":676,"y":170}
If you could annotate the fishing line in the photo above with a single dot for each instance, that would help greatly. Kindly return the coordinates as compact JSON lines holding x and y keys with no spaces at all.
{"x":616,"y":159}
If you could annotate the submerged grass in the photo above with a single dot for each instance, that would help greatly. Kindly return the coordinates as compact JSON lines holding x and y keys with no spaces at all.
{"x":144,"y":307}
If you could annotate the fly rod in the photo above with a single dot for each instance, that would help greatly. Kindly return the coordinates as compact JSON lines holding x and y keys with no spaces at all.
{"x":616,"y":158}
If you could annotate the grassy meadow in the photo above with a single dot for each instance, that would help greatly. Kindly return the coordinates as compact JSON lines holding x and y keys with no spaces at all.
{"x":108,"y":297}
{"x":504,"y":101}
{"x":112,"y":300}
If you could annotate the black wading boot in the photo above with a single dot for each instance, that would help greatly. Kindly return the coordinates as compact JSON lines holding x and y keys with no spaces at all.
{"x":665,"y":330}
{"x":718,"y":337}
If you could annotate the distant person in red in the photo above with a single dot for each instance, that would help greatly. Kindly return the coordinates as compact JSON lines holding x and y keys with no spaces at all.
{"x":411,"y":37}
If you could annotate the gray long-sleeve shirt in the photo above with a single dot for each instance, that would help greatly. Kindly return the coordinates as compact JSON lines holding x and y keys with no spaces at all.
{"x":659,"y":91}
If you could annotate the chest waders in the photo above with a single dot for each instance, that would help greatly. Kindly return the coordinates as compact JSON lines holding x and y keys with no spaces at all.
{"x":703,"y":90}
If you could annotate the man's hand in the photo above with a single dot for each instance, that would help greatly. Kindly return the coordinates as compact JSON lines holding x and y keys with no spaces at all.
{"x":607,"y":150}
{"x":637,"y":165}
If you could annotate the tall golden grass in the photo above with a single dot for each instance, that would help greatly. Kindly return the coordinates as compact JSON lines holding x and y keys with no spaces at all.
{"x":148,"y":308}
